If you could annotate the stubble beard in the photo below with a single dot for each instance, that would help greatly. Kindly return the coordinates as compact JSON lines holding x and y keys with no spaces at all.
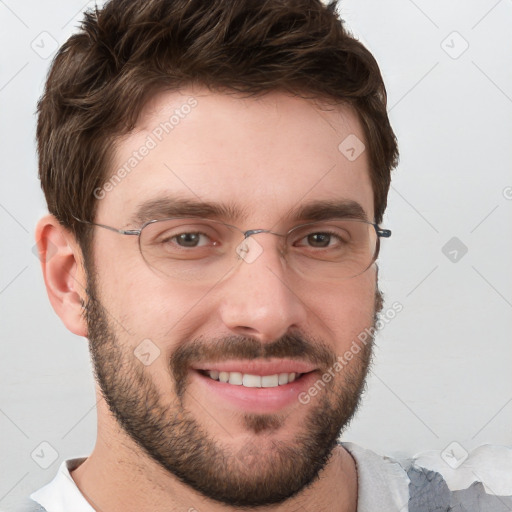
{"x":168,"y":432}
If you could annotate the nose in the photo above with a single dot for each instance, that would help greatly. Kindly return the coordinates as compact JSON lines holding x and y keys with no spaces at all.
{"x":261,"y":297}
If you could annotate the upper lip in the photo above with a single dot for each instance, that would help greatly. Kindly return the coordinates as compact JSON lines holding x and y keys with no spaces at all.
{"x":258,"y":366}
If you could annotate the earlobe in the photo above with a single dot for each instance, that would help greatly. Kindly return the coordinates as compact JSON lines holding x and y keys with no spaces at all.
{"x":63,"y":272}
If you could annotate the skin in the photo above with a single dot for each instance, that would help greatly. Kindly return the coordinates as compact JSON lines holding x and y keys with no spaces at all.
{"x":266,"y":155}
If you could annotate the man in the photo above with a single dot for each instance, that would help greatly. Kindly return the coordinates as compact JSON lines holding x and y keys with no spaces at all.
{"x":216,"y":174}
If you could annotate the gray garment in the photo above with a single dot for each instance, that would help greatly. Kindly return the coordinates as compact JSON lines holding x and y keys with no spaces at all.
{"x":429,"y":493}
{"x":382,"y":483}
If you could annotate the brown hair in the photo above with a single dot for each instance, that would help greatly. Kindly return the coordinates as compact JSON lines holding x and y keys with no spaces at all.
{"x":103,"y":75}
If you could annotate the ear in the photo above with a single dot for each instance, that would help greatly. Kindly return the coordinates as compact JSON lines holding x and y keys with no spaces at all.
{"x":63,"y":272}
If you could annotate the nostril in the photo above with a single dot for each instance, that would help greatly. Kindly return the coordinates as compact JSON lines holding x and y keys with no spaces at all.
{"x":246,"y":329}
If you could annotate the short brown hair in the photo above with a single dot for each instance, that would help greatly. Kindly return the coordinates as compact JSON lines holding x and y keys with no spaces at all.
{"x":102,"y":77}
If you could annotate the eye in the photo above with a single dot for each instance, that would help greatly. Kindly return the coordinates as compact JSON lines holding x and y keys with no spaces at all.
{"x":190,"y":239}
{"x":324,"y":239}
{"x":184,"y":237}
{"x":319,"y":239}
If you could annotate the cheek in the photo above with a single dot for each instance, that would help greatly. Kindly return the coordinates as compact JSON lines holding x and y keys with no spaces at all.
{"x":348,"y":309}
{"x":148,"y":304}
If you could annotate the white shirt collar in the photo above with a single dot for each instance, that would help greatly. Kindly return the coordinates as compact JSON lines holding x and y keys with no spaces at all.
{"x":62,"y":493}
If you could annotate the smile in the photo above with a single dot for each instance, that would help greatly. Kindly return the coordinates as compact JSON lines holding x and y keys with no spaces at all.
{"x":258,"y":385}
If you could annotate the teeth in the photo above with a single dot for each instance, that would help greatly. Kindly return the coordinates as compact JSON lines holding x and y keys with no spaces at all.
{"x":253,"y":381}
{"x":235,"y":378}
{"x":269,"y":381}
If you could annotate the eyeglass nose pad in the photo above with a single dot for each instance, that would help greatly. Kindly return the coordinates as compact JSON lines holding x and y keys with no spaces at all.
{"x":249,"y":249}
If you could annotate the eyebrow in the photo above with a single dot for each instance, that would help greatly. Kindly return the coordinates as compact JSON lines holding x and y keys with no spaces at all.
{"x":168,"y":207}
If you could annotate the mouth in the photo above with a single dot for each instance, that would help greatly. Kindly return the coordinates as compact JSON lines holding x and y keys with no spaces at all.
{"x":257,"y":386}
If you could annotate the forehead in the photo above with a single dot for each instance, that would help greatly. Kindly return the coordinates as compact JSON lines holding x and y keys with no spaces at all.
{"x":260,"y":157}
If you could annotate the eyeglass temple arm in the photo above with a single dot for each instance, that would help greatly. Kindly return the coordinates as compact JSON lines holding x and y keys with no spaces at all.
{"x":385,"y":233}
{"x":110,"y":228}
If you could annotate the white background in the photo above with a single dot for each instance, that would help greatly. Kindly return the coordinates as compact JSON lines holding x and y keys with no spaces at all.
{"x":443,"y":365}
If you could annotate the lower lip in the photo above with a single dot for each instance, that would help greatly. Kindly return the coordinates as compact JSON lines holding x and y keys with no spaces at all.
{"x":257,"y":400}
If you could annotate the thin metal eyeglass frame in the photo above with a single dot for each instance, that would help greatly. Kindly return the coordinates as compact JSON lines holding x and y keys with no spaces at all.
{"x":381,"y":232}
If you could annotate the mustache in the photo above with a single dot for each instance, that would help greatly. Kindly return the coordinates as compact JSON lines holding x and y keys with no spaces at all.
{"x":292,"y":346}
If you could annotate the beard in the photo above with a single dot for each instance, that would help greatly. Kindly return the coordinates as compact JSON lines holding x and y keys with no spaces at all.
{"x":174,"y":438}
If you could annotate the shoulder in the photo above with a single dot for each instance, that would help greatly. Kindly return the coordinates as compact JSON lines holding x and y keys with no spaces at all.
{"x":458,"y":480}
{"x":451,"y":479}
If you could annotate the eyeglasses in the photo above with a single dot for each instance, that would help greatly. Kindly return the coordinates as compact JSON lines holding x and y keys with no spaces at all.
{"x":204,"y":250}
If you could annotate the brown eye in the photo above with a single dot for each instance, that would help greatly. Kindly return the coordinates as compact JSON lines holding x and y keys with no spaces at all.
{"x":188,"y":239}
{"x":319,"y":239}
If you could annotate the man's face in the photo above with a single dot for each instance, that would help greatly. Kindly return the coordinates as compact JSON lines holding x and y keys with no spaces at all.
{"x":155,"y":337}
